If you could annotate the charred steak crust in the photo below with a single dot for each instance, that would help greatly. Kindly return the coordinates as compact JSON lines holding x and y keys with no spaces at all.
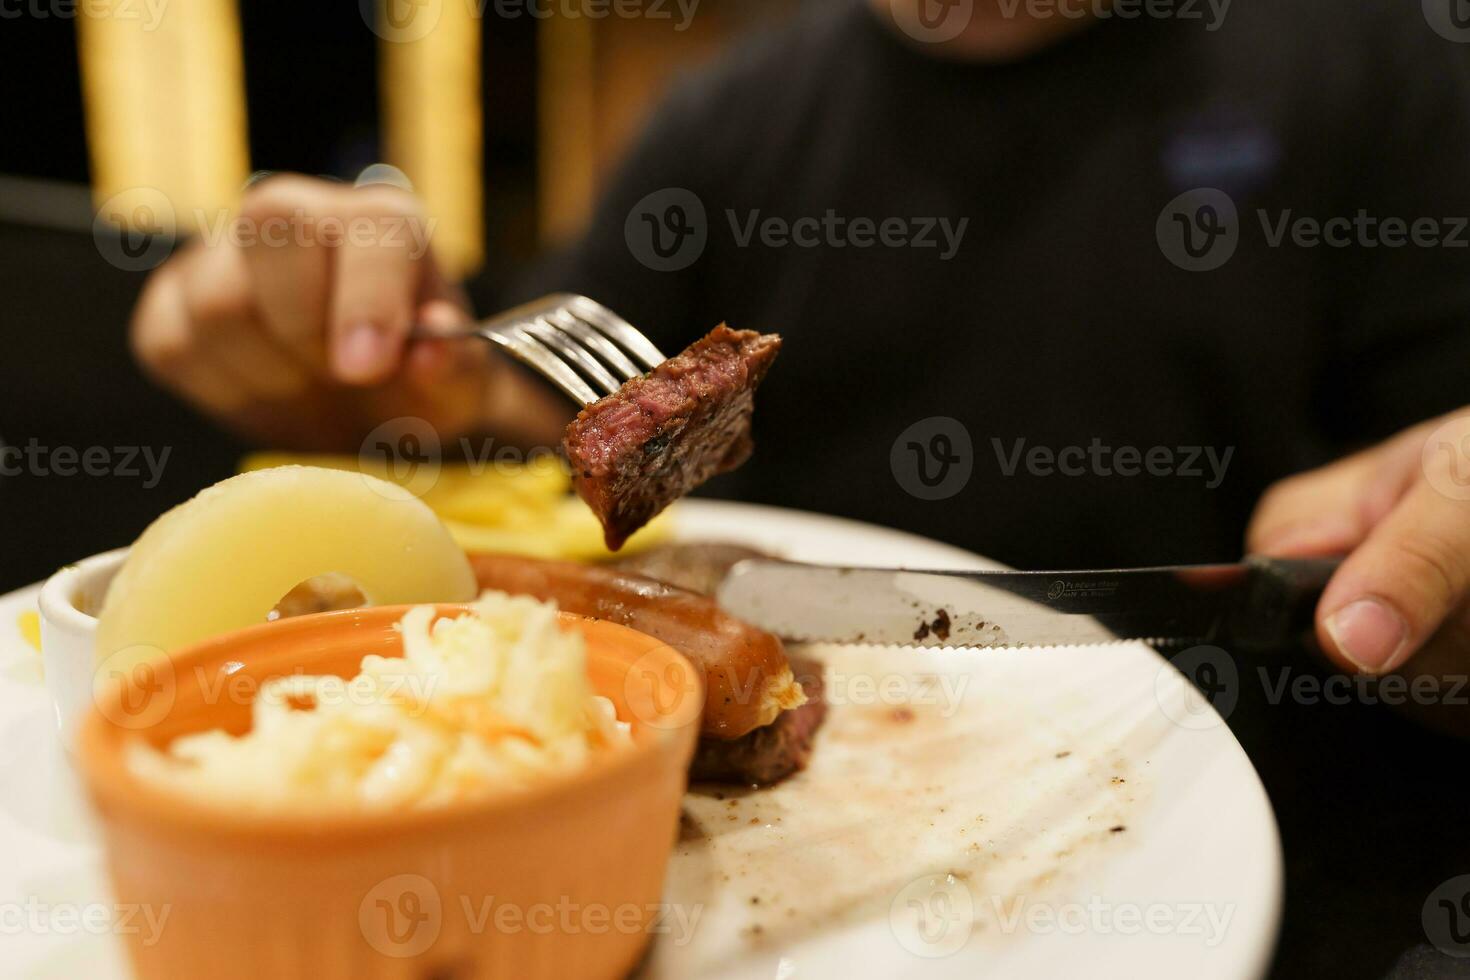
{"x":772,"y":752}
{"x":661,"y":435}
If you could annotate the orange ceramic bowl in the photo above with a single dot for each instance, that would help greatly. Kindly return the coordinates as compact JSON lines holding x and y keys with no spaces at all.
{"x":559,"y":881}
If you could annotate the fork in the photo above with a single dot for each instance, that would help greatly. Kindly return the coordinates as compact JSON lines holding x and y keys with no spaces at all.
{"x":576,"y":343}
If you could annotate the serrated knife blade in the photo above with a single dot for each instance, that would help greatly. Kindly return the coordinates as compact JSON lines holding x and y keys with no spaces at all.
{"x":1259,"y":602}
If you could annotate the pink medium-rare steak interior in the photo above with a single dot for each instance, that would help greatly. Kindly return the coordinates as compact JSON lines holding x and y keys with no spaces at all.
{"x":661,"y":435}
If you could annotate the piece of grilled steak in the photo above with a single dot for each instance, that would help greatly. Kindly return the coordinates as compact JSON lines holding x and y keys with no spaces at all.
{"x":661,"y":435}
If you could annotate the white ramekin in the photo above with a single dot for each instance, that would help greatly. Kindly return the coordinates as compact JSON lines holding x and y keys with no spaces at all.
{"x":69,"y":602}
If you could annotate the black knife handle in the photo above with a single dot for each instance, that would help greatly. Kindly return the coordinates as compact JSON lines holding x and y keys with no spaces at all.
{"x":1279,"y":601}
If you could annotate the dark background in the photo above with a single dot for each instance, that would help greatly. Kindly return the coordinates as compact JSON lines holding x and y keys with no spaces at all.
{"x":1373,"y":810}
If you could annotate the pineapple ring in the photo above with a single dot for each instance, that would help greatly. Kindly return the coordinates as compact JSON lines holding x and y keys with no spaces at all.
{"x":223,"y":560}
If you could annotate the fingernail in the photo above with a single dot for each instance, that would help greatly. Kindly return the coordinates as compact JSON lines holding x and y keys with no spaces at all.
{"x":361,"y":353}
{"x":1369,"y":633}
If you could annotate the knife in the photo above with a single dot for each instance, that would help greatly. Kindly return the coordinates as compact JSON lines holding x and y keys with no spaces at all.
{"x":1257,"y":604}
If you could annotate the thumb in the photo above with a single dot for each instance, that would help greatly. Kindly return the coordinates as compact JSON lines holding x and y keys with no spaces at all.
{"x":1396,"y":589}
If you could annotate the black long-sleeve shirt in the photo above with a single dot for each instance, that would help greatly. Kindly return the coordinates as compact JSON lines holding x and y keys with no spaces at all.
{"x":991,"y":243}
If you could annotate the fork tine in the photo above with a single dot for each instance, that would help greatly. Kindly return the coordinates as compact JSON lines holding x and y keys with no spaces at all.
{"x":616,"y":328}
{"x":559,"y":335}
{"x":570,"y":350}
{"x":599,"y":344}
{"x":527,"y":349}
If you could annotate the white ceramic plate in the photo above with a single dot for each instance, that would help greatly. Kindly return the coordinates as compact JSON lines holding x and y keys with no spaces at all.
{"x":1012,"y":813}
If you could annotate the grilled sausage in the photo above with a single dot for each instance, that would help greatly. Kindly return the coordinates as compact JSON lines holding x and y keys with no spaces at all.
{"x":748,"y":681}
